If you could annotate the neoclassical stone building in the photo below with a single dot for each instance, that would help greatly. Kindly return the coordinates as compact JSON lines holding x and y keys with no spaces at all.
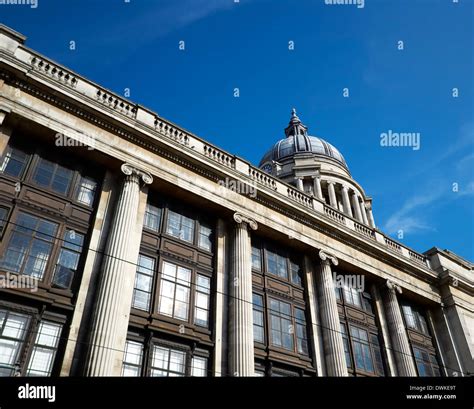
{"x":146,"y":265}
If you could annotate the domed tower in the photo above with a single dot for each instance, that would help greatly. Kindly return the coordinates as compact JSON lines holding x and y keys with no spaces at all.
{"x":318,"y":168}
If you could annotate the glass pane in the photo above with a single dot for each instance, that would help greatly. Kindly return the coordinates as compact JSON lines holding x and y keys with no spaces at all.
{"x":181,"y":310}
{"x":205,"y":237}
{"x":133,"y":352}
{"x":86,"y":191}
{"x":14,"y":162}
{"x":160,"y":357}
{"x":141,"y":300}
{"x":203,"y":284}
{"x":184,"y":275}
{"x":152,"y":217}
{"x":68,"y":259}
{"x":44,"y":172}
{"x":198,"y":366}
{"x":169,"y":270}
{"x":174,"y":221}
{"x":16,"y":326}
{"x":41,"y":362}
{"x":201,"y":317}
{"x":177,"y":361}
{"x":202,"y":300}
{"x":48,"y":334}
{"x":37,"y":259}
{"x":62,"y":180}
{"x":129,"y":370}
{"x":256,"y":259}
{"x":9,"y":351}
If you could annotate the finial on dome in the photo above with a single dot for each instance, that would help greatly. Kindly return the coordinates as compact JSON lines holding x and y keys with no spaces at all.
{"x":294,"y":117}
{"x":295,"y":127}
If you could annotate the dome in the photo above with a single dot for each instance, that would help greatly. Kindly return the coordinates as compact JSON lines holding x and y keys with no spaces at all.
{"x":298,"y":141}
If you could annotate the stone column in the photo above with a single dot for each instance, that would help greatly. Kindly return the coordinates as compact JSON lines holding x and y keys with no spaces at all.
{"x":332,"y":195}
{"x":317,"y":187}
{"x":370,"y":215}
{"x":299,"y":184}
{"x":109,"y":326}
{"x":345,"y":200}
{"x":330,"y":324}
{"x":398,"y":334}
{"x":363,"y":212}
{"x":241,"y":349}
{"x":356,"y":206}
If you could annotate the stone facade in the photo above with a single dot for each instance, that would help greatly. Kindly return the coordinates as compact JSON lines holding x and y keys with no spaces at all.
{"x":174,"y":277}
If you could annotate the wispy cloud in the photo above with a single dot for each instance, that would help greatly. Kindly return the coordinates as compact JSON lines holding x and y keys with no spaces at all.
{"x":166,"y":18}
{"x":412,"y":215}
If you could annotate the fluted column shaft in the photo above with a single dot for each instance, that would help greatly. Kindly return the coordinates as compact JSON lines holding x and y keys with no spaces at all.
{"x":345,"y":201}
{"x":356,"y":206}
{"x":109,"y":327}
{"x":398,"y":334}
{"x":330,"y":324}
{"x":317,"y":188}
{"x":363,"y":212}
{"x":241,"y":349}
{"x":299,"y":184}
{"x":332,"y":195}
{"x":370,"y":216}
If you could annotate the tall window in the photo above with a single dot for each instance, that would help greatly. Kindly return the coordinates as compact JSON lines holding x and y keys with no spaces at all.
{"x":44,"y":349}
{"x":281,"y":324}
{"x":205,"y":237}
{"x":175,"y":288}
{"x":30,"y":246}
{"x":68,"y":259}
{"x":295,"y":273}
{"x":301,"y":334}
{"x":85,"y":191}
{"x":53,"y":176}
{"x":258,"y":323}
{"x":152,"y":219}
{"x":347,"y":348}
{"x":14,"y":162}
{"x":201,"y":308}
{"x":143,"y":283}
{"x":360,"y":343}
{"x":414,"y":319}
{"x":132,"y":360}
{"x":352,"y":296}
{"x":13,"y":330}
{"x":366,"y":353}
{"x":180,"y":226}
{"x":256,"y":258}
{"x":426,"y":363}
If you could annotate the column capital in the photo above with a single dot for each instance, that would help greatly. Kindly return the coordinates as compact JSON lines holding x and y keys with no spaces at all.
{"x":331,"y":182}
{"x":130,"y":170}
{"x":328,"y":258}
{"x":368,"y":205}
{"x":392,"y":287}
{"x":344,"y":187}
{"x":240,"y":218}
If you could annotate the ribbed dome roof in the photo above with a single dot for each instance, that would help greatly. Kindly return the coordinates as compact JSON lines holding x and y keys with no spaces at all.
{"x":298,"y":141}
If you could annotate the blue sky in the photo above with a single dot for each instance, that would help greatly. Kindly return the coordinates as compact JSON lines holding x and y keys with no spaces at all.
{"x":245,"y":45}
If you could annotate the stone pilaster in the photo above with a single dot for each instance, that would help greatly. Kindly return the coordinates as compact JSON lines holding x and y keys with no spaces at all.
{"x":363,"y":212}
{"x":5,"y":132}
{"x":332,"y":195}
{"x":331,"y":328}
{"x":241,"y":349}
{"x":345,"y":200}
{"x":109,"y":326}
{"x":398,"y":334}
{"x":370,"y":215}
{"x":356,"y":206}
{"x":317,"y":187}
